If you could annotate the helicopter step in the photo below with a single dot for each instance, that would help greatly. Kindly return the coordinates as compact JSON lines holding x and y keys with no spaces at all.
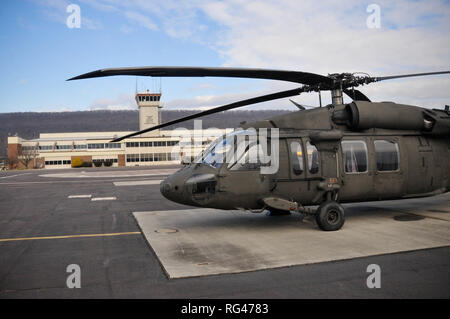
{"x":277,"y":205}
{"x":280,"y":204}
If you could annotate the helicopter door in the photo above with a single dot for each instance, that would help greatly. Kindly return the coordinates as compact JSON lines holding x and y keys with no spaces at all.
{"x":357,"y":179}
{"x":299,"y":171}
{"x":283,"y":183}
{"x":388,"y":174}
{"x":242,"y":175}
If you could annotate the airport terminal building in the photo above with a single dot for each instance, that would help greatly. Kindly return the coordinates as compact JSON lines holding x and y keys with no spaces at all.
{"x":67,"y":150}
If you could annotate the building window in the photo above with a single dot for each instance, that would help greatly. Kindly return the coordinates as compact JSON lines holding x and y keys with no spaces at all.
{"x":297,"y":157}
{"x":45,"y":147}
{"x":173,"y":157}
{"x":131,"y":158}
{"x":387,"y":155}
{"x":159,"y":143}
{"x":96,"y":146}
{"x":147,"y":157}
{"x":112,"y":145}
{"x":132,"y":144}
{"x":146,"y":144}
{"x":172,"y":143}
{"x":63,"y":147}
{"x":62,"y":162}
{"x":79,"y":146}
{"x":104,"y":160}
{"x":160,"y":157}
{"x":354,"y":156}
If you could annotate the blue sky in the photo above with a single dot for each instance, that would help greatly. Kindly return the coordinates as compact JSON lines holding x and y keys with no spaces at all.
{"x":38,"y":52}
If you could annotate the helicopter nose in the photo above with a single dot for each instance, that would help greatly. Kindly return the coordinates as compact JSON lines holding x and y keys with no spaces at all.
{"x":166,"y":188}
{"x":171,"y":188}
{"x":189,"y":184}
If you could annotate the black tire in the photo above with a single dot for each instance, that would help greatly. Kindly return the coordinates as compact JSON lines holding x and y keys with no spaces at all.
{"x":330,"y":216}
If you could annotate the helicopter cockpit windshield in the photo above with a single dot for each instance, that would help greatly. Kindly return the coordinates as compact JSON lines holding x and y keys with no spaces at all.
{"x":239,"y":149}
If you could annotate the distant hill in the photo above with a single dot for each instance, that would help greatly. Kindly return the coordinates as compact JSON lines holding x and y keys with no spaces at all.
{"x":30,"y":124}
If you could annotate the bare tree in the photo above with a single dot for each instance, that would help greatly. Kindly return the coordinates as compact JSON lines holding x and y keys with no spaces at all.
{"x":12,"y":162}
{"x":26,"y":156}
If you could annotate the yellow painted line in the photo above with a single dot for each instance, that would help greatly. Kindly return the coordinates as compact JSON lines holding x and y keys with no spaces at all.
{"x":71,"y":236}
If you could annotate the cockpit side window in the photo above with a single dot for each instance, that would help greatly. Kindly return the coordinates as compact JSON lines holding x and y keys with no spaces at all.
{"x":250,"y":160}
{"x":297,"y":157}
{"x":239,"y":149}
{"x":313,"y":158}
{"x":215,"y":155}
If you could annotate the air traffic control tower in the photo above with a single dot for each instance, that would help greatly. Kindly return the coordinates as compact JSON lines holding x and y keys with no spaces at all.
{"x":149,"y":107}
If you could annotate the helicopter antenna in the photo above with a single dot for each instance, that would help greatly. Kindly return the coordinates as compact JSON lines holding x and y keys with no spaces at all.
{"x":301,"y":107}
{"x":320,"y":98}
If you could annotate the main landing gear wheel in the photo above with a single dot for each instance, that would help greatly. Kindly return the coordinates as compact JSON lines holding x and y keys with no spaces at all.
{"x":330,"y":216}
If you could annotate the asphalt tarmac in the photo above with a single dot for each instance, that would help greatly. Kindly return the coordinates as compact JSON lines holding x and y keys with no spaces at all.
{"x":50,"y":222}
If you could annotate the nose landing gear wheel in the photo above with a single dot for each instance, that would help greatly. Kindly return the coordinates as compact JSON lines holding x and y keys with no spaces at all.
{"x":330,"y":216}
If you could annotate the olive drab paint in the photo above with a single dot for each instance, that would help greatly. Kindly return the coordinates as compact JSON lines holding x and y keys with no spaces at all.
{"x":354,"y":152}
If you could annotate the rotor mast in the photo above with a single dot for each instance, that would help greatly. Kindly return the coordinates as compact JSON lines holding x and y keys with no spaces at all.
{"x":336,"y":97}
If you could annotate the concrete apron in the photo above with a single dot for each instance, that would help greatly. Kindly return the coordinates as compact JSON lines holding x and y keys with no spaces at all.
{"x":199,"y":242}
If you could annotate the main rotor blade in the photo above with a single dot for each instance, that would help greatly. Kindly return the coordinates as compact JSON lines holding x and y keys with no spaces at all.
{"x":259,"y":99}
{"x":382,"y":78}
{"x":290,"y":76}
{"x":356,"y":95}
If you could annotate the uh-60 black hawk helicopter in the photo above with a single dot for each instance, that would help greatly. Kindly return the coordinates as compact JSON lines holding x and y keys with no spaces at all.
{"x":361,"y":151}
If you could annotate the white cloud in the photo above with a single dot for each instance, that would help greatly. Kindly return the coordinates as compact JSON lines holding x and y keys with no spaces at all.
{"x":314,"y":36}
{"x":123,"y":101}
{"x":203,"y":102}
{"x":317,"y":36}
{"x":327,"y":37}
{"x":105,"y":7}
{"x":141,"y":19}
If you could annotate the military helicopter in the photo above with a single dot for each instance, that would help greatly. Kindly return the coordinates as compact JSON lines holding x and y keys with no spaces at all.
{"x":355,"y":152}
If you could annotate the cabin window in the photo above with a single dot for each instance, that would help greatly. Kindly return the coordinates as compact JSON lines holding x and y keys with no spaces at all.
{"x":387,"y":155}
{"x":297,"y":157}
{"x":354,"y":156}
{"x":313,"y":158}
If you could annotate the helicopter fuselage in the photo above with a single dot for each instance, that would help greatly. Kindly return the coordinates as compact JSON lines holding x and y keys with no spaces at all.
{"x":323,"y":157}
